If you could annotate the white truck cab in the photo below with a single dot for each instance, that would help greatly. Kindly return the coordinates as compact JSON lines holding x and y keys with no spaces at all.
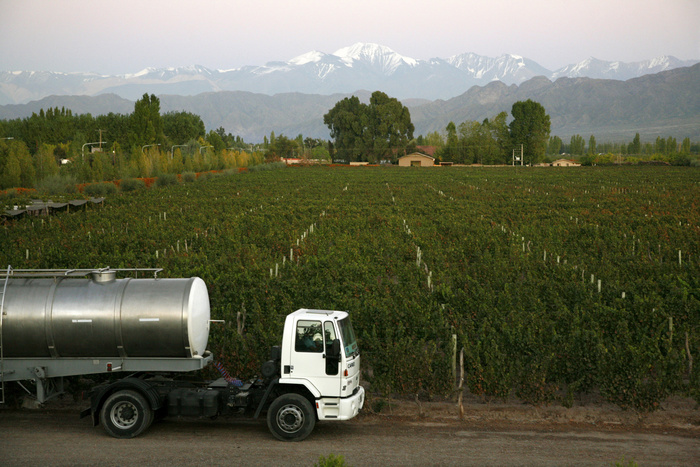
{"x":319,"y":352}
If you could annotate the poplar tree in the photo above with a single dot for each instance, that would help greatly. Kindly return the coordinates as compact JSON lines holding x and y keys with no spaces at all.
{"x":592,"y":148}
{"x":146,"y":124}
{"x":636,"y":146}
{"x":530,"y":128}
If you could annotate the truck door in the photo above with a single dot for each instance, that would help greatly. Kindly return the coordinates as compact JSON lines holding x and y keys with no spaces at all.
{"x":310,"y":359}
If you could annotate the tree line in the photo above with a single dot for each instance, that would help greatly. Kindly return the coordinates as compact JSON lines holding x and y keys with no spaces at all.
{"x":495,"y":140}
{"x":145,"y":143}
{"x":382,"y":131}
{"x":662,"y":149}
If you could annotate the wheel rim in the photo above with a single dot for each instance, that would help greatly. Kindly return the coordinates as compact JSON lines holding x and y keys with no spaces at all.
{"x":124,"y":415}
{"x":290,"y":418}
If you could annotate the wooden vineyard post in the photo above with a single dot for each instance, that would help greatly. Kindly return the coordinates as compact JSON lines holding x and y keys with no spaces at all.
{"x":454,"y":357}
{"x":461,"y":383}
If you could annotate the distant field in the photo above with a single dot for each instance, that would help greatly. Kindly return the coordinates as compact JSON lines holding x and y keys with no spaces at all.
{"x":555,"y":282}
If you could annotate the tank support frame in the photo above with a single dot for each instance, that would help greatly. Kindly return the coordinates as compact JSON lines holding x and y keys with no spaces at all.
{"x":48,"y":373}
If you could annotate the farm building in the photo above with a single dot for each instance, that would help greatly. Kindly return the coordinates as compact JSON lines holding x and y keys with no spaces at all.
{"x":416,"y":159}
{"x":565,"y":163}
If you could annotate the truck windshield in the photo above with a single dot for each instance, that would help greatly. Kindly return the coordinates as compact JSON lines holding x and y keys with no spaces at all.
{"x":348,"y":334}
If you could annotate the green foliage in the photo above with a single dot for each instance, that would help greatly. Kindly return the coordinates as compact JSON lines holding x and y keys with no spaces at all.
{"x":592,"y":146}
{"x":320,"y":153}
{"x":625,"y":463}
{"x":12,"y":197}
{"x":554,"y":146}
{"x":57,"y":184}
{"x":331,"y":461}
{"x":100,"y":189}
{"x":182,"y":127}
{"x":145,"y":122}
{"x":167,"y":179}
{"x":577,"y":145}
{"x":132,"y":184}
{"x":369,"y":132}
{"x":346,"y":120}
{"x":282,"y":147}
{"x":270,"y":166}
{"x":635,"y":146}
{"x":487,"y":142}
{"x":509,"y":255}
{"x":530,"y":128}
{"x":16,"y":166}
{"x":189,"y":177}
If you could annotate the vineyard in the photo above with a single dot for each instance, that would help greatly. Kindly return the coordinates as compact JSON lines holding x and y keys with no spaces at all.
{"x":555,"y":283}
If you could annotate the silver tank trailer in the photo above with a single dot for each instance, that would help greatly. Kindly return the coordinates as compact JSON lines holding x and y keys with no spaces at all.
{"x":105,"y":317}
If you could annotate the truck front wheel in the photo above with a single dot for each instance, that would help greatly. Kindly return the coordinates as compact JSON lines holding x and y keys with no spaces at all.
{"x":125,"y":414}
{"x":291,"y":417}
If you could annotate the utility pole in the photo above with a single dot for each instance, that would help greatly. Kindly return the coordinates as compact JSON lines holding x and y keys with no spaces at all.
{"x":100,"y":130}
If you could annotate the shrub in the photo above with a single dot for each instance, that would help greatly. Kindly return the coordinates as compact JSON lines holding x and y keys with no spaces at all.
{"x":270,"y":166}
{"x":12,"y":197}
{"x":57,"y":184}
{"x":189,"y":177}
{"x":100,"y":189}
{"x":331,"y":461}
{"x":166,"y":180}
{"x":132,"y":184}
{"x":204,"y":176}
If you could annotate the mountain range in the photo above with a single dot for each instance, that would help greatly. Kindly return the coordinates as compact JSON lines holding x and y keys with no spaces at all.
{"x":347,"y":70}
{"x":662,"y":104}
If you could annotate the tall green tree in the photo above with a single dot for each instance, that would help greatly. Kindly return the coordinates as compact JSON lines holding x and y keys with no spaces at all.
{"x":577,"y":146}
{"x":282,"y":147}
{"x":530,"y":128}
{"x":45,"y":162}
{"x":181,"y":127}
{"x":378,"y":131}
{"x":16,"y":167}
{"x":554,"y":146}
{"x":347,"y":122}
{"x":636,"y":146}
{"x":685,"y":146}
{"x":146,"y":124}
{"x":450,"y":152}
{"x":501,"y":133}
{"x":592,"y":147}
{"x":390,"y":127}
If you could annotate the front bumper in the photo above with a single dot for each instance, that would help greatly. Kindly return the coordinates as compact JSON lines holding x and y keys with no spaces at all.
{"x":341,"y":409}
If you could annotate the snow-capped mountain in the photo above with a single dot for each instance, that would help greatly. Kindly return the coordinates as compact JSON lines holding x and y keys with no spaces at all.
{"x":359,"y":66}
{"x":594,"y":68}
{"x":508,"y":68}
{"x":378,"y":57}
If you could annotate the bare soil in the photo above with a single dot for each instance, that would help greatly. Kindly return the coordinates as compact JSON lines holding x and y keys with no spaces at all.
{"x":402,"y":433}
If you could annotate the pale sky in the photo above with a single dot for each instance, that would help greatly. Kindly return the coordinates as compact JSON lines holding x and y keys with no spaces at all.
{"x":126,"y":36}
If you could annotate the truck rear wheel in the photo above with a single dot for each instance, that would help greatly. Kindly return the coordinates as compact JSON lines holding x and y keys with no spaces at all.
{"x":125,"y":414}
{"x":291,"y":417}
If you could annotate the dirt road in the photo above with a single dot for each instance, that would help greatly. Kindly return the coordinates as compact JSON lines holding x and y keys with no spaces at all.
{"x":59,"y":437}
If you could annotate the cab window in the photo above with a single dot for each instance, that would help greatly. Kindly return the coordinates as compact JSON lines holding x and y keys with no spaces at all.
{"x":309,"y":337}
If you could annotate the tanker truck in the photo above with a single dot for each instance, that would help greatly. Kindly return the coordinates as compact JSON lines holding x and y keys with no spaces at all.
{"x":56,"y":323}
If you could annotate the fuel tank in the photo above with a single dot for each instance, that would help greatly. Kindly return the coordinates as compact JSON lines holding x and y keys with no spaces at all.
{"x":103,"y":316}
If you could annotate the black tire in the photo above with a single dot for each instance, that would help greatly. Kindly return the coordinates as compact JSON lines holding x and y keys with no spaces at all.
{"x":291,"y":417}
{"x":126,"y":414}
